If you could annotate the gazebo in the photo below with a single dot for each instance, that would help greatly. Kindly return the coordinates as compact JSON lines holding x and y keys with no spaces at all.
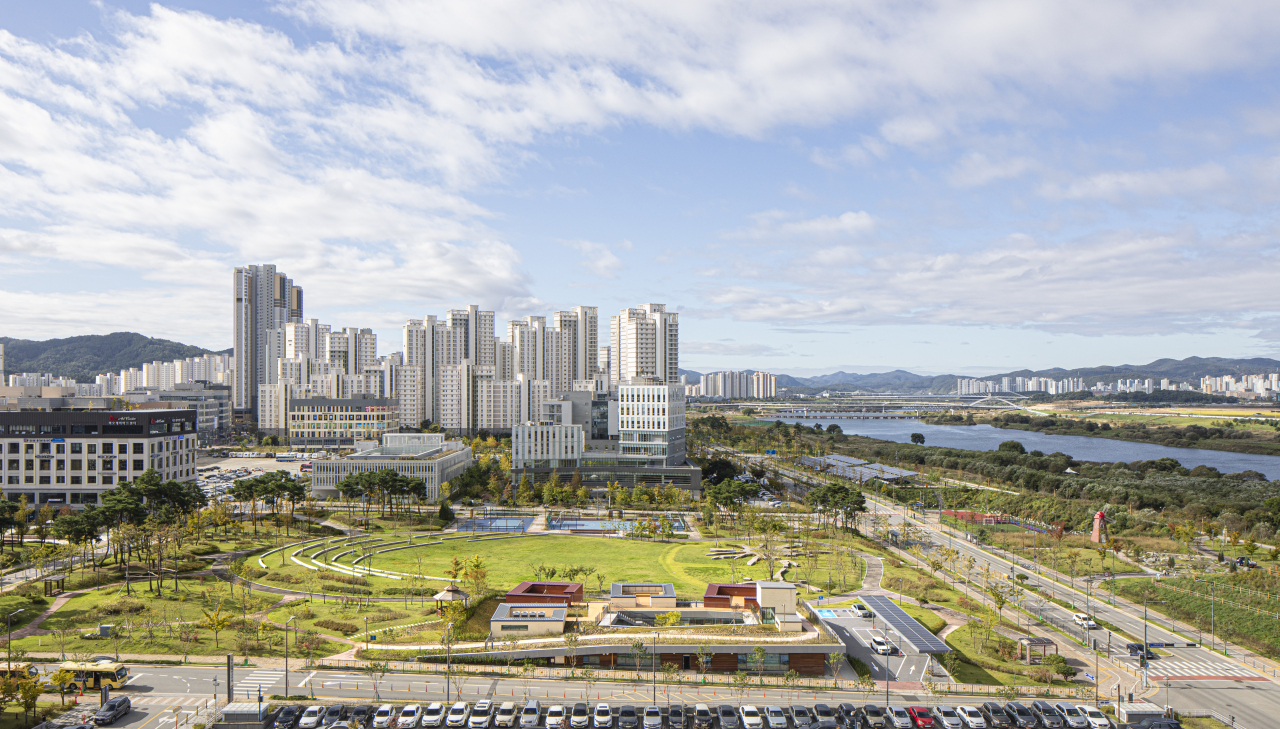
{"x":452,"y":593}
{"x":54,"y":584}
{"x":1033,"y":642}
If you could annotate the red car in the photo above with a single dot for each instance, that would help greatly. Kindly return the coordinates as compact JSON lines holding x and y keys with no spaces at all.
{"x":921,"y":716}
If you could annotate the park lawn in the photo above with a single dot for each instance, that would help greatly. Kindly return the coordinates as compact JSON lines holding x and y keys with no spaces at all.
{"x":354,"y":614}
{"x":511,"y":561}
{"x":962,"y":641}
{"x":13,"y":716}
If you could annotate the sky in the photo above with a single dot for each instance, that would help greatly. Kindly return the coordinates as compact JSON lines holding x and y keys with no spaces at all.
{"x":965,"y":187}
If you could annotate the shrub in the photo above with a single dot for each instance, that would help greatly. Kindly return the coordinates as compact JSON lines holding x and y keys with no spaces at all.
{"x":286,"y":579}
{"x":345,"y":579}
{"x":347,"y":590}
{"x":338,"y":626}
{"x":385,"y":616}
{"x":123,"y":606}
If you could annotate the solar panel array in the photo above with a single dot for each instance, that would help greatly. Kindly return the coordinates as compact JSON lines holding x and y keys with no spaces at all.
{"x":855,"y":469}
{"x":905,"y":625}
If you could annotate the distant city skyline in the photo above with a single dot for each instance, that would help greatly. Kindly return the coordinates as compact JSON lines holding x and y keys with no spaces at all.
{"x":810,"y":188}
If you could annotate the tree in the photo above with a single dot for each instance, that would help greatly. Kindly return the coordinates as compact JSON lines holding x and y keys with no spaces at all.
{"x":376,"y":670}
{"x":638,"y":652}
{"x":29,"y":691}
{"x":216,"y":621}
{"x":758,"y":656}
{"x":917,"y":438}
{"x":667,"y":620}
{"x":61,"y":678}
{"x":703,"y":655}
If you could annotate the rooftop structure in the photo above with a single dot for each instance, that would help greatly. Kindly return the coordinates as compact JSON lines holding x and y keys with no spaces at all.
{"x":526,"y":619}
{"x":528,"y":592}
{"x":623,"y":595}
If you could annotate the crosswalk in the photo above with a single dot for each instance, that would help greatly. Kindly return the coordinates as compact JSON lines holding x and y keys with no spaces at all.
{"x":169,"y":700}
{"x":1202,"y":670}
{"x":258,"y":679}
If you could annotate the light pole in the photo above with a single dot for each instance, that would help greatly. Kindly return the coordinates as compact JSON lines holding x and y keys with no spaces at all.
{"x":9,"y":639}
{"x":1145,"y":645}
{"x":286,"y":653}
{"x":448,"y":659}
{"x":654,"y":662}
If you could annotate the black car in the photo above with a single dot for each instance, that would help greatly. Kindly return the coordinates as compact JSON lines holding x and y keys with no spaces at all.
{"x":1048,"y":716}
{"x":994,"y":715}
{"x":112,"y":710}
{"x":627,"y":718}
{"x":675,"y":716}
{"x":288,"y":717}
{"x":1020,"y":716}
{"x":361,"y":715}
{"x":1136,"y":649}
{"x":801,"y":716}
{"x":822,"y":712}
{"x":849,"y":715}
{"x":703,"y":717}
{"x":728,"y":716}
{"x":335,"y":713}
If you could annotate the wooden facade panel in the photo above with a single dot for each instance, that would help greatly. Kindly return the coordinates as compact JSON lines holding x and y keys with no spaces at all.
{"x":724,"y":662}
{"x":808,"y":664}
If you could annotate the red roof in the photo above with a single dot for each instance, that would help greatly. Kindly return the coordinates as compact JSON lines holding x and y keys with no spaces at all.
{"x":560,"y":589}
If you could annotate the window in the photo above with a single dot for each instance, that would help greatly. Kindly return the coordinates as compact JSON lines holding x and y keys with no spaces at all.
{"x":139,"y":448}
{"x":60,"y":479}
{"x":514,"y":627}
{"x":107,"y":464}
{"x":44,"y":465}
{"x":28,"y":478}
{"x":13,"y":479}
{"x":106,"y":480}
{"x":60,"y":465}
{"x":123,"y":465}
{"x":93,"y":449}
{"x":92,"y":479}
{"x":139,"y":464}
{"x":77,"y":448}
{"x":46,"y":448}
{"x":45,"y":479}
{"x":108,"y":449}
{"x":76,"y":464}
{"x":59,"y":448}
{"x":75,"y":480}
{"x":31,"y":448}
{"x":13,"y":448}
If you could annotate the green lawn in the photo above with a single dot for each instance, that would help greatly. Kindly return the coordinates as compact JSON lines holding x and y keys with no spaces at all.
{"x":967,"y":642}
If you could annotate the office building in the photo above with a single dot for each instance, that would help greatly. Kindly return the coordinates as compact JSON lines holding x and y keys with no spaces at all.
{"x":71,"y":457}
{"x":339,"y":422}
{"x":264,"y":301}
{"x":427,"y":457}
{"x":546,"y":446}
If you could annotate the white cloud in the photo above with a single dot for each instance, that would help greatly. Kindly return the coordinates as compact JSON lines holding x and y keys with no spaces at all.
{"x":775,"y":224}
{"x":597,"y":259}
{"x":1119,"y":185}
{"x":976,"y":169}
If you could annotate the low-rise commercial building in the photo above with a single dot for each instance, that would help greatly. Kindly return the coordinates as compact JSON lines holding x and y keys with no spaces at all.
{"x":562,"y":593}
{"x":526,"y":619}
{"x":72,"y":457}
{"x":337,"y":423}
{"x":426,"y":457}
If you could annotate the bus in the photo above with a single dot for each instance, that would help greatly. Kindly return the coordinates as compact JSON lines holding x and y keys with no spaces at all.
{"x":20,"y":670}
{"x":305,"y":467}
{"x":96,"y":675}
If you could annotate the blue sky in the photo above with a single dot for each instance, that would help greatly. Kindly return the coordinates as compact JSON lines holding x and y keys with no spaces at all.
{"x":966,"y":187}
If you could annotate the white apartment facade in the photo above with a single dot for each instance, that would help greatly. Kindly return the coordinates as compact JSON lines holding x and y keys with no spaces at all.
{"x":645,"y":345}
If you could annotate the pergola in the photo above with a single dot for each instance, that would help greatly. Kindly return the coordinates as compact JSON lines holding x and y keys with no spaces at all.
{"x":452,"y":593}
{"x":1034,"y":642}
{"x":54,"y":584}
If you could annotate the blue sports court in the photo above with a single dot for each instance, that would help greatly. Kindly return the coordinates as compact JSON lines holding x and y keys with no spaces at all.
{"x":497,"y":524}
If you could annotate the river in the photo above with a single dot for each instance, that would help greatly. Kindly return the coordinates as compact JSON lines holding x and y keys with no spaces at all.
{"x":1082,"y":448}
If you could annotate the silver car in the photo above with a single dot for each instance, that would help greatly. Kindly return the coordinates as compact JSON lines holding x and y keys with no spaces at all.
{"x":311,"y":718}
{"x":1072,"y":716}
{"x":898,"y":718}
{"x":751,"y":718}
{"x":480,"y":715}
{"x":946,"y":717}
{"x":433,"y":715}
{"x":776,"y":717}
{"x":652,"y":718}
{"x":383,"y":716}
{"x":531,"y":714}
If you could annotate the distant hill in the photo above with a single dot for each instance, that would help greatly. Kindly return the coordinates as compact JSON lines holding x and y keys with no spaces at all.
{"x":1190,"y":369}
{"x":81,"y":358}
{"x":694,"y":377}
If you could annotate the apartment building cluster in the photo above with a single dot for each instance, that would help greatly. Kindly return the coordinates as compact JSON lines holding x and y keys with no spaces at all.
{"x":1245,"y":387}
{"x":732,"y":385}
{"x":1019,"y":384}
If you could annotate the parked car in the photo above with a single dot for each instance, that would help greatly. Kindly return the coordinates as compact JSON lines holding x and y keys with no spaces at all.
{"x":921,"y":716}
{"x":751,"y":718}
{"x":311,"y":718}
{"x":1071,"y":716}
{"x":971,"y":717}
{"x":946,"y":717}
{"x":862,"y":610}
{"x":822,"y":712}
{"x":111,"y":711}
{"x":432,"y":715}
{"x":555,"y":717}
{"x":359,"y":716}
{"x":505,"y":716}
{"x":873,"y":716}
{"x":702,"y":717}
{"x":627,"y":718}
{"x":287,"y":717}
{"x":409,"y":716}
{"x":652,"y":718}
{"x":1097,"y":719}
{"x":800,"y":716}
{"x":334,"y":714}
{"x":579,"y":716}
{"x":603,"y":718}
{"x":531,"y":714}
{"x":994,"y":715}
{"x":775,"y":717}
{"x":675,"y":716}
{"x":480,"y":715}
{"x":1020,"y":717}
{"x":728,"y":716}
{"x":881,"y":646}
{"x":457,"y":716}
{"x":850,"y":715}
{"x":1048,"y":716}
{"x":899,"y":718}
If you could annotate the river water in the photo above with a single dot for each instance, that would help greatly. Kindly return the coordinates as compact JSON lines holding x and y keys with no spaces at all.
{"x":1083,"y":448}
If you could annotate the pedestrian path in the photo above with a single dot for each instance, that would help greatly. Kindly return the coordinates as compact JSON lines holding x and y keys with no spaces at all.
{"x":1200,"y":671}
{"x":258,"y":679}
{"x":169,"y":700}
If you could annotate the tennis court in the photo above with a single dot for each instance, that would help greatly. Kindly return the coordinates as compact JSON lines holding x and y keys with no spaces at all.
{"x":677,"y":524}
{"x":496,"y":524}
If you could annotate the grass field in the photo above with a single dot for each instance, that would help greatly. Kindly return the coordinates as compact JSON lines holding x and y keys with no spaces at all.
{"x":511,"y":561}
{"x":967,"y":641}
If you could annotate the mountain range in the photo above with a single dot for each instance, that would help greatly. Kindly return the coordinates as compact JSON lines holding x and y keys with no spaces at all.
{"x":81,"y":358}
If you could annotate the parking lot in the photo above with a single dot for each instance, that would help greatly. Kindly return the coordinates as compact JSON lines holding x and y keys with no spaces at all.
{"x":856,"y":634}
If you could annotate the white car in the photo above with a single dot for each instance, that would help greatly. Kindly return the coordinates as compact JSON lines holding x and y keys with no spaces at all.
{"x":946,"y":717}
{"x":652,"y":718}
{"x":555,"y":717}
{"x":881,"y":646}
{"x":971,"y":717}
{"x":603,"y":718}
{"x":432,"y":716}
{"x":1097,"y":719}
{"x":505,"y":717}
{"x":1071,"y":716}
{"x":457,"y":716}
{"x":1084,"y":621}
{"x":751,"y":718}
{"x":862,"y":610}
{"x":311,"y":718}
{"x":409,"y":716}
{"x":480,"y":715}
{"x":776,"y":717}
{"x":579,"y":717}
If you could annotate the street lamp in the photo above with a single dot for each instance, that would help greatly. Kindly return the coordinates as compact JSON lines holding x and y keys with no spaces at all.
{"x":286,"y":653}
{"x":448,"y":659}
{"x":9,"y":639}
{"x":655,"y":668}
{"x":1145,"y":645}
